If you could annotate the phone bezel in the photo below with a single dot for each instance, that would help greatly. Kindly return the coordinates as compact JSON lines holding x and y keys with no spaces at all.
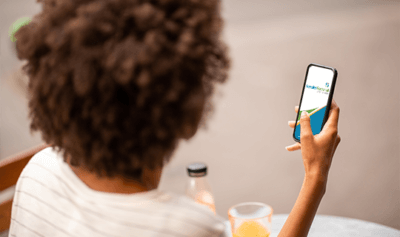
{"x":328,"y":106}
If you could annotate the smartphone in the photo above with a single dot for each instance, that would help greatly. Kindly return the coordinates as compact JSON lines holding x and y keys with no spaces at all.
{"x":316,"y":97}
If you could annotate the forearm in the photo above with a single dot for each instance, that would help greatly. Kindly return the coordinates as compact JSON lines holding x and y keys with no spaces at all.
{"x":303,"y":212}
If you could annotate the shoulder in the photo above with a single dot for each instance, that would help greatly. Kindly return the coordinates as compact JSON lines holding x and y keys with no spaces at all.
{"x":37,"y":187}
{"x":45,"y":160}
{"x":41,"y":170}
{"x":47,"y":156}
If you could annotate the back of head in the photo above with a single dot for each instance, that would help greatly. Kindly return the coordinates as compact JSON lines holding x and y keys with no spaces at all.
{"x":115,"y":84}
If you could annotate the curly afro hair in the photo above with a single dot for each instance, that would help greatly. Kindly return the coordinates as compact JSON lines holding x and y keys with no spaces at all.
{"x":116,"y":84}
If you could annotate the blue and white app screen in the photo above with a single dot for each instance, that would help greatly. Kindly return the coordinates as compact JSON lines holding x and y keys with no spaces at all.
{"x":315,"y":97}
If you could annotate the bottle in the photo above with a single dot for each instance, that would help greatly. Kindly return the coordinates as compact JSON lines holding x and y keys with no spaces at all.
{"x":197,"y":187}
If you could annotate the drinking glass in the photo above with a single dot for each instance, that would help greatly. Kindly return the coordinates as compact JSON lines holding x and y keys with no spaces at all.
{"x":250,"y":219}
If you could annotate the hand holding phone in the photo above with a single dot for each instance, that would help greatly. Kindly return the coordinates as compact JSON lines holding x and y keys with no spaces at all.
{"x":325,"y":141}
{"x":317,"y":151}
{"x":316,"y":97}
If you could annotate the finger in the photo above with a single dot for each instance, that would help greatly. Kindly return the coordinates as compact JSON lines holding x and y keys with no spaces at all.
{"x":333,"y":118}
{"x":305,"y":127}
{"x":293,"y":147}
{"x":334,"y":104}
{"x":291,"y":124}
{"x":296,"y":109}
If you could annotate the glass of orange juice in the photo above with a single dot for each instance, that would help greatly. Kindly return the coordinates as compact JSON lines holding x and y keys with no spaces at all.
{"x":250,"y":219}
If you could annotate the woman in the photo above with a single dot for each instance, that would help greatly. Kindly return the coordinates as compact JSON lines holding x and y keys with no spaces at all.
{"x":114,"y":86}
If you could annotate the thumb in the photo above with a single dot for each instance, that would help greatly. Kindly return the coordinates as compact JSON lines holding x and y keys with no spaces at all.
{"x":305,"y":126}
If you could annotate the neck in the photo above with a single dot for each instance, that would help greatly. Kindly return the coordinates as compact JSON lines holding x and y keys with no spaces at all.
{"x":111,"y":185}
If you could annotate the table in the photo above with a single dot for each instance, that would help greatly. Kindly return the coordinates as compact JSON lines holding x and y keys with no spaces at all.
{"x":334,"y":226}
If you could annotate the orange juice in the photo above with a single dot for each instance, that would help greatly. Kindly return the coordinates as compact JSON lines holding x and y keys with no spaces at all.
{"x":251,"y":229}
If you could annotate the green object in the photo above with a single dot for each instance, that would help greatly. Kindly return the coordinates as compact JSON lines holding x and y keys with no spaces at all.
{"x":17,"y":25}
{"x":308,"y":111}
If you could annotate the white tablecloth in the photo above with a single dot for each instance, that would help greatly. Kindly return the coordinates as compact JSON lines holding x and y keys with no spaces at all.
{"x":333,"y":226}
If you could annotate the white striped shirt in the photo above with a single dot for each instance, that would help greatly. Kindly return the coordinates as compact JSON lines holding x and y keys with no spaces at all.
{"x":50,"y":200}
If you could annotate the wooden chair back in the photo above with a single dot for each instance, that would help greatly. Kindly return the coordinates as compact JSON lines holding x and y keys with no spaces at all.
{"x":10,"y":170}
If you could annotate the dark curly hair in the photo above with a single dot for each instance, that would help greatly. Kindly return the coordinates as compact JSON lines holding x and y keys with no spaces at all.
{"x":116,"y":84}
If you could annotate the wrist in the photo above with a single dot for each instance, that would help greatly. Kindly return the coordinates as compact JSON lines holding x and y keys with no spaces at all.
{"x":317,"y":176}
{"x":316,"y":182}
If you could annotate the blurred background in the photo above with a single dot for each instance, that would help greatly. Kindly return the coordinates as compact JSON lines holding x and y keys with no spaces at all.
{"x":271,"y":44}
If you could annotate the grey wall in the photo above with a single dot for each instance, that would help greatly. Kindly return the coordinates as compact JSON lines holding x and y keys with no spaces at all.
{"x":271,"y":45}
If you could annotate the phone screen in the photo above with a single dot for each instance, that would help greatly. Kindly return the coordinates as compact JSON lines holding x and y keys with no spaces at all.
{"x":315,"y":97}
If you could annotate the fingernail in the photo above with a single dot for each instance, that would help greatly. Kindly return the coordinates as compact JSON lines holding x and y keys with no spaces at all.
{"x":288,"y":122}
{"x":286,"y":148}
{"x":304,"y":114}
